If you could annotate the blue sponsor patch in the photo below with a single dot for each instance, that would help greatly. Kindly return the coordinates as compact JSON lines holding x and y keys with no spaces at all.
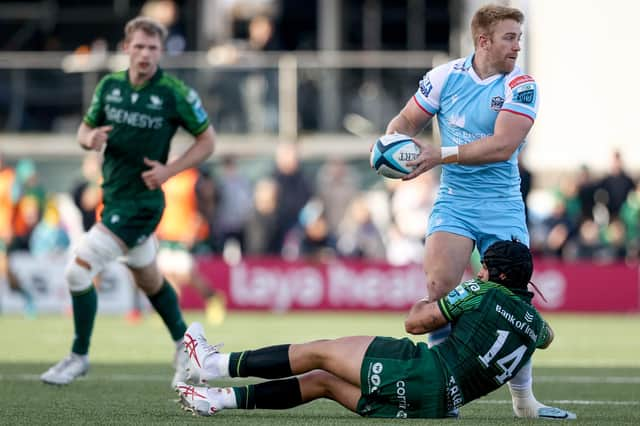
{"x":525,"y":96}
{"x":425,"y":86}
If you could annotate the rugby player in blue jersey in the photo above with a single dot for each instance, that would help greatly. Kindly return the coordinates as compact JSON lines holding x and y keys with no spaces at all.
{"x":485,"y":106}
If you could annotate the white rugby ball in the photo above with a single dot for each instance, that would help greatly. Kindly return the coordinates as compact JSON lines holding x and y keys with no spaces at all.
{"x":390,"y":154}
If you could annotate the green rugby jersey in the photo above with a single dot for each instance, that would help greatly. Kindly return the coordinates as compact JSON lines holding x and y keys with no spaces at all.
{"x":144,"y":120}
{"x":494,"y":333}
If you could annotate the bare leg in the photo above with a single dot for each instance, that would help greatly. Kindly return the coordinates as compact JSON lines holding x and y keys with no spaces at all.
{"x":341,"y":357}
{"x":321,"y":384}
{"x":446,"y":257}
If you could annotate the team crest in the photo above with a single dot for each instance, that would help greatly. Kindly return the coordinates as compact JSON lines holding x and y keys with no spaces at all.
{"x":497,"y":102}
{"x":155,"y":102}
{"x":134,"y":98}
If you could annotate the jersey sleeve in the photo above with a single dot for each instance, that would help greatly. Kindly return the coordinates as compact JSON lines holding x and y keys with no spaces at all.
{"x":521,"y":96}
{"x":465,"y":297}
{"x":427,"y":97}
{"x":543,"y":336}
{"x":94,"y":116}
{"x":192,"y":114}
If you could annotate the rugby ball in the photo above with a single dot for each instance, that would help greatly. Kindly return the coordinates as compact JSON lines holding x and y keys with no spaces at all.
{"x":390,"y":154}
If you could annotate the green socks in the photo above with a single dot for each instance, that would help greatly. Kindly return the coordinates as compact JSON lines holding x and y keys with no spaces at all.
{"x":166,"y":304}
{"x":85,"y":307}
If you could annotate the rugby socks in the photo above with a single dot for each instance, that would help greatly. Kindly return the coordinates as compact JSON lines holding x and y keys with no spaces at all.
{"x":275,"y":394}
{"x":165,"y":302}
{"x":438,"y":336}
{"x":271,"y":362}
{"x":524,"y":402}
{"x":85,"y":307}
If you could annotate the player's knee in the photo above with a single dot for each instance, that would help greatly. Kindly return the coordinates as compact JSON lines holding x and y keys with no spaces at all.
{"x":78,"y":275}
{"x":319,"y":383}
{"x":93,"y":252}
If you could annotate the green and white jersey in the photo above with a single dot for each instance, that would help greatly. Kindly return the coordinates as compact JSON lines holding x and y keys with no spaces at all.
{"x":144,"y":120}
{"x":494,"y":333}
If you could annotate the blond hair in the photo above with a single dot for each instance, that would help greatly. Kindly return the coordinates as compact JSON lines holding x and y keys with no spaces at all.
{"x":486,"y":18}
{"x":149,"y":26}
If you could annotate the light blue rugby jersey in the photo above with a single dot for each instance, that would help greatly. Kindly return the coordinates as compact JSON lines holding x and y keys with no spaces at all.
{"x":467,"y":108}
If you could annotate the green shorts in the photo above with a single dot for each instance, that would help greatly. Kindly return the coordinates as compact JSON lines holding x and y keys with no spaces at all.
{"x":133,"y":222}
{"x":401,"y":379}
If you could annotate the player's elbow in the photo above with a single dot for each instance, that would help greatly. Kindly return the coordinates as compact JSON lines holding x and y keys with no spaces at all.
{"x":412,"y":326}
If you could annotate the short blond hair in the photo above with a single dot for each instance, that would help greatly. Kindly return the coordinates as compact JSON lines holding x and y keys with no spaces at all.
{"x":486,"y":18}
{"x":148,"y":25}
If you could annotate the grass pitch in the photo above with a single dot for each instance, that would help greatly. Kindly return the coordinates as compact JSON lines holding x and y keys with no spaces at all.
{"x":592,"y":368}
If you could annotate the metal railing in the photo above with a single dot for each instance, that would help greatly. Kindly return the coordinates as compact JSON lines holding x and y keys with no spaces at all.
{"x":283,"y":95}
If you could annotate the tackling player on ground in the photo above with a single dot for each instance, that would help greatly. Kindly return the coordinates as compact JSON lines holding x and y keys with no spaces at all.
{"x":133,"y":117}
{"x":495,"y":331}
{"x":485,"y":106}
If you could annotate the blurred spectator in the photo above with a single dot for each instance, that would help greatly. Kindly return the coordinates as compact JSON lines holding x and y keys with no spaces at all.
{"x":86,"y":193}
{"x":587,"y":186}
{"x":260,"y":89}
{"x":181,"y":231}
{"x":235,"y":203}
{"x":311,"y":239}
{"x":262,"y":237}
{"x":28,"y":198}
{"x":166,"y":12}
{"x":558,"y":229}
{"x":614,"y":239}
{"x":7,"y":176}
{"x":49,"y":236}
{"x":293,"y":190}
{"x":208,"y":200}
{"x":337,"y":184}
{"x":358,"y":235}
{"x":588,"y":245}
{"x":630,"y":215}
{"x":617,"y":185}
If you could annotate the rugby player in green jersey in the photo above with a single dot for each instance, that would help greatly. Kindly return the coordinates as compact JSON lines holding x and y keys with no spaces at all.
{"x":132,"y":118}
{"x":495,"y":331}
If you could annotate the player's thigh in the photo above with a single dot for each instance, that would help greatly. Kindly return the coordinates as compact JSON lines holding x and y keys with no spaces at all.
{"x":446,"y":257}
{"x":341,"y":357}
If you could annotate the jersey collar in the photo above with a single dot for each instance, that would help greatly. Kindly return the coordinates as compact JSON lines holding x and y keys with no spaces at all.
{"x":155,"y":77}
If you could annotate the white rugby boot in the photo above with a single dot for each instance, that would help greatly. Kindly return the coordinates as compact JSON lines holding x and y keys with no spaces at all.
{"x":200,"y":400}
{"x":205,"y":360}
{"x":67,"y":370}
{"x":181,"y":365}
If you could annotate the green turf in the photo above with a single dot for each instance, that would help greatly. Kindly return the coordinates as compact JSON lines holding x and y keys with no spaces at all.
{"x":593,"y":368}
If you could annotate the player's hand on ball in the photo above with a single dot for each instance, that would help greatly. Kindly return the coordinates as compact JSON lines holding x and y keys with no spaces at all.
{"x":98,"y":137}
{"x":156,"y":175}
{"x":429,"y":157}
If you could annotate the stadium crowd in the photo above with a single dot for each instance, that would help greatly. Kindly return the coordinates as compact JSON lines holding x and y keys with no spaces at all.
{"x":298,"y":213}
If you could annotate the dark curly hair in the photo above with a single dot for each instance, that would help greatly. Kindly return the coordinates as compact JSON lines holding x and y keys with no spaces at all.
{"x":511,"y":258}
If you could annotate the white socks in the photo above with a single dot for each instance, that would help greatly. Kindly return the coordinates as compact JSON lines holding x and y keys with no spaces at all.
{"x":225,"y":397}
{"x":219,"y":364}
{"x":525,"y":403}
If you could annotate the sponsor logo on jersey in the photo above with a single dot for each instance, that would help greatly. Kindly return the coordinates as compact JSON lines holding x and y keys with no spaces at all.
{"x":520,"y":80}
{"x":132,"y":118}
{"x":425,"y":86}
{"x":401,"y":395}
{"x":155,"y":102}
{"x":497,"y":102}
{"x":196,"y":106}
{"x":115,"y":96}
{"x":454,"y":395}
{"x":525,"y":96}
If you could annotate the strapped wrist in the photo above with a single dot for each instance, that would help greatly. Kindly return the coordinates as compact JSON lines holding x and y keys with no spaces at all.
{"x":449,"y":154}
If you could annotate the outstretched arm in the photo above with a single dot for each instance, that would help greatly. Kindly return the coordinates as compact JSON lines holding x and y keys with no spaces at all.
{"x":424,"y":317}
